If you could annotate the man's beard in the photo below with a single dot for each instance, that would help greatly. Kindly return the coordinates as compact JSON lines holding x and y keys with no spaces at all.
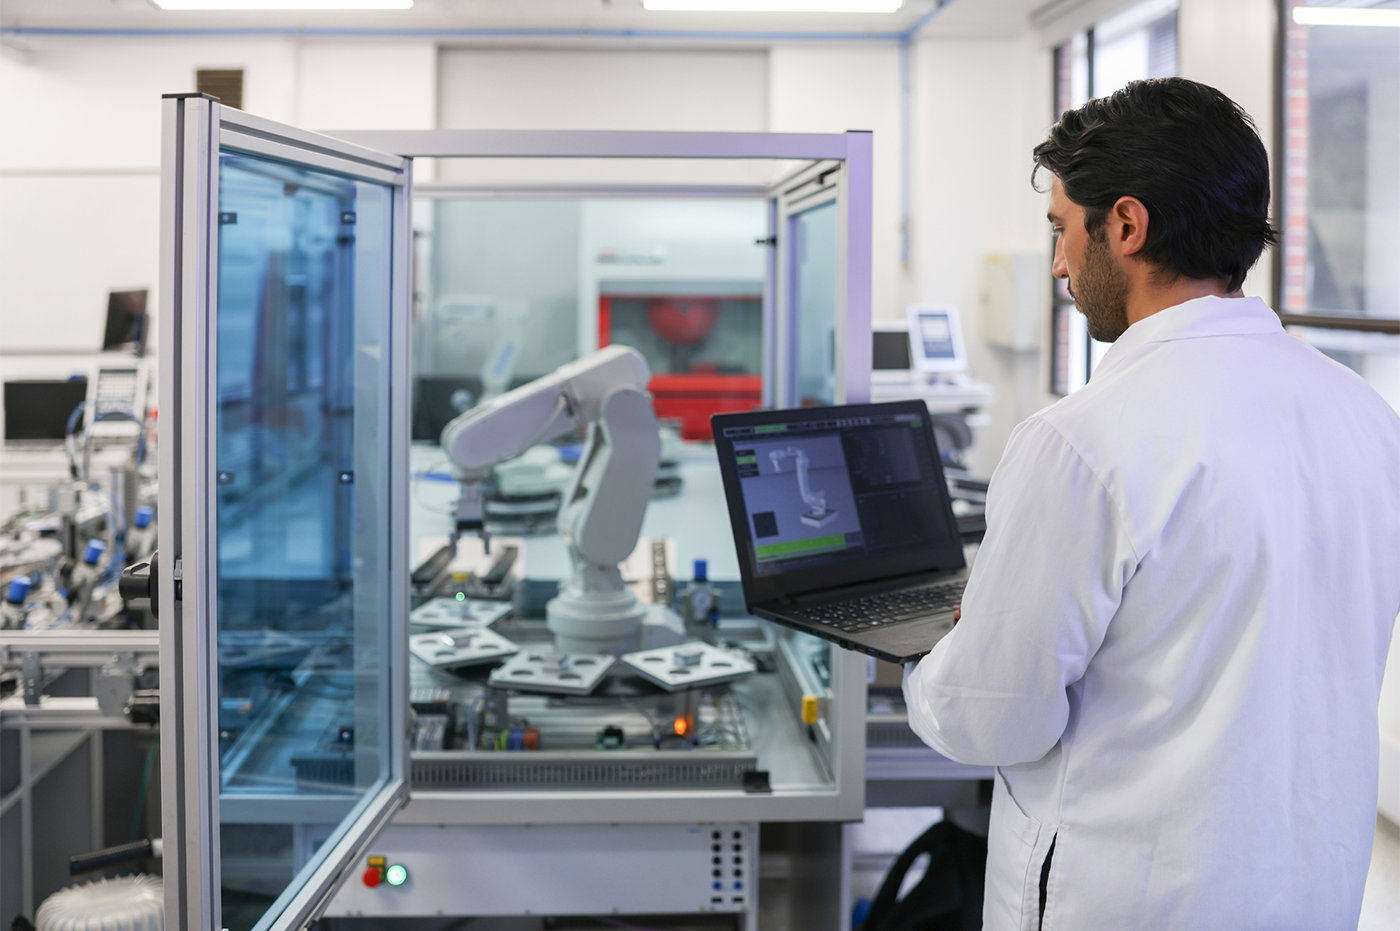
{"x":1101,"y":291}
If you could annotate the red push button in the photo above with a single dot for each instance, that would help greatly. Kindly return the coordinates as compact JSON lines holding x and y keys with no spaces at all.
{"x":372,"y":877}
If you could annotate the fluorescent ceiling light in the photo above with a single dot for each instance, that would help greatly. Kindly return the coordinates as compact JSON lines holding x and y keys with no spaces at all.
{"x":283,"y":4}
{"x":1344,"y":16}
{"x":777,"y":6}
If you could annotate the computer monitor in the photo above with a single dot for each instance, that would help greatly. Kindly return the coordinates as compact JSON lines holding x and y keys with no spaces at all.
{"x":38,"y":410}
{"x":126,"y":321}
{"x":935,"y":338}
{"x":889,"y":344}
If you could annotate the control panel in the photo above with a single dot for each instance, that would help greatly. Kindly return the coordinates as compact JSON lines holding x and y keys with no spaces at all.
{"x":554,"y":870}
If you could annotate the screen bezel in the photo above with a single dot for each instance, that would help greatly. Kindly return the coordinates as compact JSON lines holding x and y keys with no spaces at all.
{"x":769,"y":588}
{"x":921,"y":363}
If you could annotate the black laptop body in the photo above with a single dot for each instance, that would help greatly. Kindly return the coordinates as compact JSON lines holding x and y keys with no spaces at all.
{"x":843,"y":523}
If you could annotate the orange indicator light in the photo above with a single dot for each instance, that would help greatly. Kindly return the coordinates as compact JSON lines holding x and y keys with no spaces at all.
{"x":680,"y":726}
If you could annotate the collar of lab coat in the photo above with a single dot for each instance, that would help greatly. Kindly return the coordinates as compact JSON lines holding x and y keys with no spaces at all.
{"x":1194,"y":319}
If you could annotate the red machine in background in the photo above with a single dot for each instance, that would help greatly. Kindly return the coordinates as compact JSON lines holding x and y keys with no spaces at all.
{"x":705,"y":351}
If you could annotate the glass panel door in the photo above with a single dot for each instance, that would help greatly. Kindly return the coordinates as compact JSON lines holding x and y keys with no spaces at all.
{"x":812,"y":235}
{"x":289,"y":472}
{"x":811,"y":287}
{"x":303,"y":282}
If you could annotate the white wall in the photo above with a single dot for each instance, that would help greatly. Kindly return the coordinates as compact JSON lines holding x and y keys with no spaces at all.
{"x":365,"y":85}
{"x":598,"y":89}
{"x":830,"y":89}
{"x":980,"y":105}
{"x":79,"y":163}
{"x":80,"y":155}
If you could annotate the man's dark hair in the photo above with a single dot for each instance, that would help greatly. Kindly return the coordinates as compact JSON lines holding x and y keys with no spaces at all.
{"x":1193,"y":158}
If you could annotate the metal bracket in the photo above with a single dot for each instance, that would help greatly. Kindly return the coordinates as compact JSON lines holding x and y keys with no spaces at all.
{"x":32,"y":671}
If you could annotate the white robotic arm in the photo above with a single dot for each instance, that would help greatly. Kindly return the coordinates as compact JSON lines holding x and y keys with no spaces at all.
{"x":505,"y":426}
{"x":819,"y":514}
{"x":602,"y":511}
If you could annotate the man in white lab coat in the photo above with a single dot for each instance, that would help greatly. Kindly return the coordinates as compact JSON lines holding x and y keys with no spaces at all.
{"x":1173,"y":637}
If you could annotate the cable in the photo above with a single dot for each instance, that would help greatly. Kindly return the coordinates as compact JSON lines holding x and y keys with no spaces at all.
{"x":418,"y":478}
{"x":68,"y":438}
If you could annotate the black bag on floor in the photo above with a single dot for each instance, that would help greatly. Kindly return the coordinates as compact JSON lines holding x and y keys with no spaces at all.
{"x":948,"y":898}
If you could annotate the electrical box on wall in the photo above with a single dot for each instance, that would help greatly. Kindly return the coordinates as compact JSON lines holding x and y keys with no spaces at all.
{"x":1015,"y":287}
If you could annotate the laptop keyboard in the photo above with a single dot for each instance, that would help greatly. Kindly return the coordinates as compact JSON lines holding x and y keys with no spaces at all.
{"x":873,"y":611}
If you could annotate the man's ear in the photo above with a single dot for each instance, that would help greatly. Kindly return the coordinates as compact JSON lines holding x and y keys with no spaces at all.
{"x":1128,"y":225}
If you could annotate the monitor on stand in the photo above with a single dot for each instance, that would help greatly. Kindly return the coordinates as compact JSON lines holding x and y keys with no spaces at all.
{"x":126,"y":321}
{"x":890,"y":361}
{"x":37,"y":411}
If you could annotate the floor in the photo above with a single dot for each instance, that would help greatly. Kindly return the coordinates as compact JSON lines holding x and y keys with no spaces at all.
{"x":1380,"y":908}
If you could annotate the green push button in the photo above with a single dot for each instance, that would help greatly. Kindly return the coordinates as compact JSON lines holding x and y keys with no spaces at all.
{"x":396,"y":875}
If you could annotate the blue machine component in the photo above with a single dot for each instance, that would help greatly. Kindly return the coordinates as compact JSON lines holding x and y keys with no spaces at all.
{"x":143,"y":517}
{"x":93,"y":554}
{"x":19,"y":589}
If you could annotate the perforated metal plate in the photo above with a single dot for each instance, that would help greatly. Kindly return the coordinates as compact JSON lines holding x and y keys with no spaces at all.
{"x":563,"y":673}
{"x":448,"y":648}
{"x":449,"y":612}
{"x":689,"y":665}
{"x":583,"y":769}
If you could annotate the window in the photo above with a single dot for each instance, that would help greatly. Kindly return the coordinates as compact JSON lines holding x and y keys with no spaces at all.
{"x":1340,"y":282}
{"x":1138,"y":42}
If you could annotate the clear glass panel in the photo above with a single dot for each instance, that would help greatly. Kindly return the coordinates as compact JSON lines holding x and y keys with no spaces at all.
{"x":303,"y":300}
{"x":510,"y":288}
{"x":813,"y":241}
{"x":518,"y":287}
{"x":1342,"y":202}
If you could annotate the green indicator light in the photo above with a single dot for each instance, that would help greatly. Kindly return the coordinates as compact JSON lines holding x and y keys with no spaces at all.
{"x":396,"y":875}
{"x":461,"y":596}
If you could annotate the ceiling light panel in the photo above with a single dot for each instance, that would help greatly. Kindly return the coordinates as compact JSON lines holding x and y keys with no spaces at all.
{"x":1344,"y":16}
{"x":777,"y":6}
{"x":283,"y":4}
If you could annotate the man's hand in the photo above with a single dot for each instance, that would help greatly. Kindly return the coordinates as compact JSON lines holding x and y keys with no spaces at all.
{"x":957,"y":615}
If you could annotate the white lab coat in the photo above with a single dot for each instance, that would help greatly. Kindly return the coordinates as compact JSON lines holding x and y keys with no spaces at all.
{"x":1174,"y":634}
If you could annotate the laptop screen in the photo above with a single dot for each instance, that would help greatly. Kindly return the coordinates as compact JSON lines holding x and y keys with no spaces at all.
{"x":821,"y":497}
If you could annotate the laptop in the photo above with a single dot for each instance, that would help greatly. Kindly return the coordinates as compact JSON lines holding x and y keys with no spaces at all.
{"x":843,"y":523}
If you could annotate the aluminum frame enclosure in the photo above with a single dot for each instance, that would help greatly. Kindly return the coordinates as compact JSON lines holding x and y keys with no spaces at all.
{"x":195,"y":130}
{"x":830,"y":168}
